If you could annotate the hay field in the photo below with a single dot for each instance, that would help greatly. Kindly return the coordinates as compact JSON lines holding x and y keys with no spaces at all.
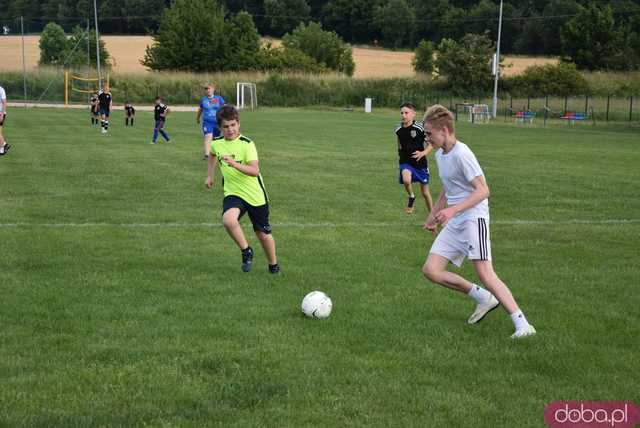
{"x":126,"y":52}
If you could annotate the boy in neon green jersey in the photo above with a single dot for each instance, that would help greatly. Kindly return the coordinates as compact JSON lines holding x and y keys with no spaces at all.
{"x":243,"y":187}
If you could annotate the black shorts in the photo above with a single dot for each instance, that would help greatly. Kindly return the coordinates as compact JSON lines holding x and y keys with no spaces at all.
{"x":4,"y":118}
{"x":259,"y":215}
{"x":104,"y":111}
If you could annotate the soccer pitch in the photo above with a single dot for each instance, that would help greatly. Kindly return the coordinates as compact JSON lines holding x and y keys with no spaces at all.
{"x":122,"y":302}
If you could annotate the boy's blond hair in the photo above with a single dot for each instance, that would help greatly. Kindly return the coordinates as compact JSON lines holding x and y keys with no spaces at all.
{"x":440,"y":117}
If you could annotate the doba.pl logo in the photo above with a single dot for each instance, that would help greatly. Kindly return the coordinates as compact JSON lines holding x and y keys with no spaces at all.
{"x":591,"y":414}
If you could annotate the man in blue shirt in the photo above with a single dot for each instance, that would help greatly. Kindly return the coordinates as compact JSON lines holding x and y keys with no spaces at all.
{"x":208,"y":109}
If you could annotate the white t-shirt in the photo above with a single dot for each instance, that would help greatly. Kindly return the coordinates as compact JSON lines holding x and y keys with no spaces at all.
{"x":457,"y":169}
{"x":3,"y":97}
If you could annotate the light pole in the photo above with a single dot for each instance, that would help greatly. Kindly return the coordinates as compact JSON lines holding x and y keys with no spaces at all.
{"x":496,"y":66}
{"x":95,"y":15}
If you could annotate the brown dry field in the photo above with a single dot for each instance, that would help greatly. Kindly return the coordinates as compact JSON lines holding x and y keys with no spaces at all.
{"x":126,"y":52}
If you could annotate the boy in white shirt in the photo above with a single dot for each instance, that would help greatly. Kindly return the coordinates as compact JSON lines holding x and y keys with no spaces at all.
{"x":4,"y":147}
{"x":465,"y":224}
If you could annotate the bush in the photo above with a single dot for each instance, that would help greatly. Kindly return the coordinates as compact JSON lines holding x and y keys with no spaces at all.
{"x":423,"y":61}
{"x":326,"y":47}
{"x":286,"y":59}
{"x":562,"y":79}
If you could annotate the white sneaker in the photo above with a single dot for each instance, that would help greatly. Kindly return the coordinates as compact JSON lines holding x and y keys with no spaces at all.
{"x":483,"y":309}
{"x":524,"y":332}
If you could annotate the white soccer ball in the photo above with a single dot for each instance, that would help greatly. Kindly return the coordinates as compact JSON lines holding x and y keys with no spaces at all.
{"x":316,"y":305}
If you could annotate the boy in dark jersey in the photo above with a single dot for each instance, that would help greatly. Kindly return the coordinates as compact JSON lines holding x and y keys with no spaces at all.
{"x":160,"y":112}
{"x":105,"y":101}
{"x":413,"y":151}
{"x":129,"y":113}
{"x":95,"y":109}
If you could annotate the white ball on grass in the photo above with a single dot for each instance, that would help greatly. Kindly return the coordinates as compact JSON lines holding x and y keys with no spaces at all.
{"x":317,"y":305}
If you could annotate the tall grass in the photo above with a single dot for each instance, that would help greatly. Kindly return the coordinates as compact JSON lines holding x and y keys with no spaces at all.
{"x":288,"y":89}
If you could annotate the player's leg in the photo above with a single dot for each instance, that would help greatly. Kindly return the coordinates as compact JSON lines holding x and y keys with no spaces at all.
{"x":451,"y":246}
{"x":426,"y":194}
{"x":132,"y":117}
{"x":164,"y":133}
{"x":231,"y":222}
{"x":435,"y":269}
{"x":4,"y":147}
{"x":206,"y":144}
{"x":233,"y":208}
{"x":106,"y":121}
{"x":407,"y":177}
{"x":126,"y":121}
{"x":260,"y":219}
{"x":155,"y":133}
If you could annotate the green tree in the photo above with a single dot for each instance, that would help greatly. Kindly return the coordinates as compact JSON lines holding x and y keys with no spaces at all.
{"x":78,"y":57}
{"x":592,"y":40}
{"x":396,"y":21}
{"x":466,"y":64}
{"x":423,"y":60}
{"x":284,"y":15}
{"x":546,"y":39}
{"x":244,"y":43}
{"x":326,"y":47}
{"x":191,"y":37}
{"x":351,"y":19}
{"x":53,"y":44}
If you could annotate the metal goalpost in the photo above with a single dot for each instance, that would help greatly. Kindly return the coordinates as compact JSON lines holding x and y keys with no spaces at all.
{"x":246,"y":95}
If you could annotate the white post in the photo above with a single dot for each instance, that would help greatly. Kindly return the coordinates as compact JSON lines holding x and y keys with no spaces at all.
{"x":24,"y":64}
{"x":497,"y":66}
{"x":95,"y":16}
{"x":238,"y":94}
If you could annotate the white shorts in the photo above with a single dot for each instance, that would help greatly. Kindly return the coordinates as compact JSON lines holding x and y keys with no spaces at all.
{"x":458,"y":240}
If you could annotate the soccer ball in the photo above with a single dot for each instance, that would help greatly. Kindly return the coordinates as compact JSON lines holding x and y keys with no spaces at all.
{"x":316,"y":305}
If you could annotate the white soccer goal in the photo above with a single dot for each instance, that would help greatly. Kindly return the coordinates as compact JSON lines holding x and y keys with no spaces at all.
{"x":246,"y":95}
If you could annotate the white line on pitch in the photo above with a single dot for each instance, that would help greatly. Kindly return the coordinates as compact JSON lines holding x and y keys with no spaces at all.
{"x":328,"y":225}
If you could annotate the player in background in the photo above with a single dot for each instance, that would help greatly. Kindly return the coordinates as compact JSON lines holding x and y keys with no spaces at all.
{"x":160,"y":112}
{"x":208,"y":109}
{"x":4,"y":146}
{"x":95,"y":109}
{"x":412,"y":152}
{"x":129,"y":113}
{"x":243,"y":188}
{"x":463,"y":212}
{"x":106,"y":102}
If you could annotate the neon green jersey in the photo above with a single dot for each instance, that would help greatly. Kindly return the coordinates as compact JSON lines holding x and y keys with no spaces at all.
{"x":237,"y":183}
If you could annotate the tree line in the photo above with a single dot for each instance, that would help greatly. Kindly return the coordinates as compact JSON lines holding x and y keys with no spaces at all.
{"x":529,"y":27}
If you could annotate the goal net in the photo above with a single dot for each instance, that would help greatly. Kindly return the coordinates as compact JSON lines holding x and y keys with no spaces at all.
{"x":246,"y":95}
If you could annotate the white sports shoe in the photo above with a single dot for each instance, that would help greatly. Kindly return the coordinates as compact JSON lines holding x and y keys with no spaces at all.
{"x":483,"y":309}
{"x":104,"y":131}
{"x":524,"y":332}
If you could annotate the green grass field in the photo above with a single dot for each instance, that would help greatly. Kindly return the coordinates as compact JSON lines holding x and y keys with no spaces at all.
{"x":122,"y":302}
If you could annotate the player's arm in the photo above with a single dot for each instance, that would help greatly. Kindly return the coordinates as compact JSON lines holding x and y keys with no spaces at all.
{"x":431,"y":223}
{"x":167,"y":111}
{"x":211,"y":170}
{"x":252,"y":168}
{"x":480,"y":193}
{"x":3,"y":101}
{"x":199,"y":114}
{"x":419,"y":154}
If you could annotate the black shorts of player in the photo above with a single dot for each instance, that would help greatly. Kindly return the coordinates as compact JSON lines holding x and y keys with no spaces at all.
{"x":4,"y":118}
{"x":95,"y":111}
{"x":105,"y":111}
{"x":259,"y":215}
